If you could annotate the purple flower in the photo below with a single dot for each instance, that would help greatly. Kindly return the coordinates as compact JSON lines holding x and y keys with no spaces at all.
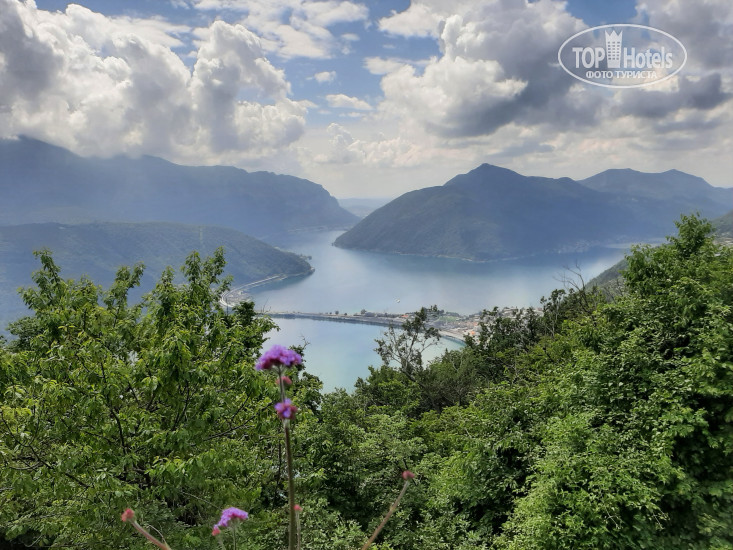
{"x":278,"y":355}
{"x":226,"y":516}
{"x":286,"y":409}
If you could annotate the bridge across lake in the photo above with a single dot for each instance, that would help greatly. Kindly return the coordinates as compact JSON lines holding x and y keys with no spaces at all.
{"x":391,"y":321}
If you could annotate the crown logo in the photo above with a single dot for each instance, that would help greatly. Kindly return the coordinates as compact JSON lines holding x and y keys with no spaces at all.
{"x":613,"y":50}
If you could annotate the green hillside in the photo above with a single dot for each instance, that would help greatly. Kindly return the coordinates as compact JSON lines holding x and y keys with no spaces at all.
{"x":98,"y":249}
{"x":611,"y":281}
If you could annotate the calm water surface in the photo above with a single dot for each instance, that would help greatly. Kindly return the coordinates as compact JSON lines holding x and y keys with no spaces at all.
{"x":339,"y":353}
{"x":349,"y":281}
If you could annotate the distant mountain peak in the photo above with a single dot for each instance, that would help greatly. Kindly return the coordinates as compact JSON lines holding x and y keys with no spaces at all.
{"x":493,"y":213}
{"x":486,"y":174}
{"x":493,"y":169}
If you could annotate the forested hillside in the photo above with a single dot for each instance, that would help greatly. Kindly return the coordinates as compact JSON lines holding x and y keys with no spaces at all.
{"x":594,"y":425}
{"x":97,"y":250}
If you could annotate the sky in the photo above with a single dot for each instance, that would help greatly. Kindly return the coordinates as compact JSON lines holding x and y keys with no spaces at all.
{"x":368,"y":99}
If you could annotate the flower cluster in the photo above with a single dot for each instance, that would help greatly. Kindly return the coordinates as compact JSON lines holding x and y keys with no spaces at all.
{"x":228,"y":515}
{"x":278,"y":355}
{"x":286,"y":410}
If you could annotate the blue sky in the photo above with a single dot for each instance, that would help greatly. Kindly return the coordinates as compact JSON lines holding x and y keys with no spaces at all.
{"x":366,"y":98}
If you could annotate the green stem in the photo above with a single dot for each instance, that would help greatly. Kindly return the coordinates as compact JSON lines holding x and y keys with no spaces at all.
{"x":291,"y":488}
{"x":292,"y":535}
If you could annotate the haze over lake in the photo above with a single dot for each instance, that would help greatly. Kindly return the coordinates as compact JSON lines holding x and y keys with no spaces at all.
{"x":351,"y":280}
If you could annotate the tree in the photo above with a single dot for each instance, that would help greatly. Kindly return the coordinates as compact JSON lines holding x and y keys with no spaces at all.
{"x":154,"y":405}
{"x":406,"y":347}
{"x":637,"y":438}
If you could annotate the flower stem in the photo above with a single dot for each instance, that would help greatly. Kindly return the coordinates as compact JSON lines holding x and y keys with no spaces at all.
{"x":292,"y":535}
{"x":291,"y":488}
{"x":150,"y":537}
{"x":297,"y":519}
{"x":391,"y":511}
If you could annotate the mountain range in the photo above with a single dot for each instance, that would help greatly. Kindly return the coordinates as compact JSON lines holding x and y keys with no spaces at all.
{"x":45,"y":183}
{"x":495,"y":213}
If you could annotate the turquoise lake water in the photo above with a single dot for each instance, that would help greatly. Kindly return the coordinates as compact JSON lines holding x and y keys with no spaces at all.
{"x":349,"y":281}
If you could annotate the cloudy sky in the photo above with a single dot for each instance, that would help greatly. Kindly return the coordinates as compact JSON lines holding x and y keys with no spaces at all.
{"x":367,"y":98}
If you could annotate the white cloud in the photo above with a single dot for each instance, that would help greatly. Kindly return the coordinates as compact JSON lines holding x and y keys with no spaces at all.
{"x":448,"y":91}
{"x":293,"y":28}
{"x":379,"y":65}
{"x":344,"y":149}
{"x":496,"y":66}
{"x":341,"y":101}
{"x":328,"y":13}
{"x":325,"y":76}
{"x":417,"y":20}
{"x":92,"y":84}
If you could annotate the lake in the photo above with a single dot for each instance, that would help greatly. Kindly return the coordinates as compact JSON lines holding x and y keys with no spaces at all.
{"x":351,"y":280}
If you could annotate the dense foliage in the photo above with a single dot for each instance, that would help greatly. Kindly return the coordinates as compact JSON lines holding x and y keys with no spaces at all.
{"x":595,"y":424}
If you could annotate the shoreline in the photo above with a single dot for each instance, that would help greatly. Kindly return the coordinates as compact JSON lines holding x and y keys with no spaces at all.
{"x":355,"y":319}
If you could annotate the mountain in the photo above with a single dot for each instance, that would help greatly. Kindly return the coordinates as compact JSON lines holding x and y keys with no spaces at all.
{"x":663,"y":195}
{"x":494,"y":213}
{"x":98,"y":249}
{"x":43,"y":183}
{"x":610,"y":282}
{"x":361,"y":207}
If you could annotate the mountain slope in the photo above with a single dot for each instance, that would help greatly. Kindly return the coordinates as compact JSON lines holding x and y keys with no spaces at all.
{"x":493,"y":213}
{"x":610,"y":280}
{"x":41,"y":183}
{"x":98,"y":249}
{"x":662,"y":195}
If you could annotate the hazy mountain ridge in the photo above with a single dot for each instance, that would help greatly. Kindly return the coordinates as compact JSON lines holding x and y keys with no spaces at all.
{"x":610,"y":280}
{"x":98,"y":249}
{"x":44,"y":183}
{"x":495,"y":213}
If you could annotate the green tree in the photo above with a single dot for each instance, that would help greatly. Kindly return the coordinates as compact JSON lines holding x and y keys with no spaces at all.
{"x":406,"y":346}
{"x":637,"y":441}
{"x":154,"y":405}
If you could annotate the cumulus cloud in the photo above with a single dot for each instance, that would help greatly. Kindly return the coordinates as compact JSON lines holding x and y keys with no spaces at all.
{"x":705,"y":28}
{"x":497,"y":65}
{"x":293,"y":28}
{"x":381,"y":65}
{"x":417,"y":20}
{"x":93,"y":84}
{"x":325,"y":76}
{"x":699,"y":93}
{"x":344,"y":149}
{"x":342,"y":101}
